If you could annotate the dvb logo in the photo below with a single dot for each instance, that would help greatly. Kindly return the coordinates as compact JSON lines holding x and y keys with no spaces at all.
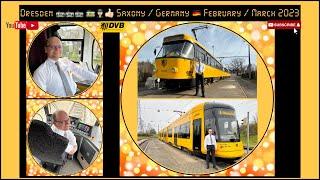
{"x":112,"y":25}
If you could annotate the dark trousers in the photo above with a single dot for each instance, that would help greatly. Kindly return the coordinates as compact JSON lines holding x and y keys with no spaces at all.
{"x":211,"y":150}
{"x":199,"y":79}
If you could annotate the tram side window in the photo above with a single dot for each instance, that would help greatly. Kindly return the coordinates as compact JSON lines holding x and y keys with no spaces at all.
{"x":176,"y":131}
{"x":211,"y":60}
{"x":180,"y":133}
{"x":185,"y":130}
{"x":200,"y":54}
{"x":170,"y":133}
{"x":215,"y":63}
{"x":218,"y":65}
{"x":188,"y":130}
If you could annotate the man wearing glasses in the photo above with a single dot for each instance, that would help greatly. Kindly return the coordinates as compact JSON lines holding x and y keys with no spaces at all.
{"x":61,"y":126}
{"x":56,"y":74}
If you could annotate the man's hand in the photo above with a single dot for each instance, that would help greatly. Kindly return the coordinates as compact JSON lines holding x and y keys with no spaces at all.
{"x":73,"y":150}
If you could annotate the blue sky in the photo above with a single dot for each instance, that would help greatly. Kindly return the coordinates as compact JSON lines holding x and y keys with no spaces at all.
{"x":160,"y":112}
{"x":225,"y":42}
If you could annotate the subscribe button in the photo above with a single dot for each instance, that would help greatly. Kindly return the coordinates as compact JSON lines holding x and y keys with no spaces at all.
{"x":29,"y":25}
{"x":284,"y":24}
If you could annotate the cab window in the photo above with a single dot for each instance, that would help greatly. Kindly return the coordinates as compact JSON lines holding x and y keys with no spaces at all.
{"x":72,"y":38}
{"x":96,"y":55}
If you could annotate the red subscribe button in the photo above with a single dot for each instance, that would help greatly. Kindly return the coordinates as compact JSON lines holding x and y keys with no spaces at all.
{"x":284,"y":24}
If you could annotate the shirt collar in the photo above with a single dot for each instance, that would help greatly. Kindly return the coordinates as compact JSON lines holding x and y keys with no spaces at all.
{"x":59,"y":131}
{"x":52,"y":61}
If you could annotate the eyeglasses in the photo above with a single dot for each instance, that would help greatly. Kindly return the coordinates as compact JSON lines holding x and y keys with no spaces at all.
{"x":64,"y":122}
{"x":55,"y":47}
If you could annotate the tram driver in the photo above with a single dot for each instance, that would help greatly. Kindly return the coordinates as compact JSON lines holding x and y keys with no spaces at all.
{"x":55,"y":75}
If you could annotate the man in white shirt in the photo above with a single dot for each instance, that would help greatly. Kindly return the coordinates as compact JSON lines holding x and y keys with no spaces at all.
{"x":209,"y":146}
{"x":55,"y":75}
{"x":199,"y":68}
{"x":61,"y":126}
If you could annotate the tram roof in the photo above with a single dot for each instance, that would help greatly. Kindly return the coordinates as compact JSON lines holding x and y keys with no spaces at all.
{"x":186,"y":37}
{"x":180,"y":37}
{"x":206,"y":105}
{"x":210,"y":105}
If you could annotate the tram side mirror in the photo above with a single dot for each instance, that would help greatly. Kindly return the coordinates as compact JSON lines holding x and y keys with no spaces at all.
{"x":155,"y":51}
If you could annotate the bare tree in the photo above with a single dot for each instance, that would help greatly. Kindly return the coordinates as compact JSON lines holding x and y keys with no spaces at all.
{"x":236,"y":65}
{"x":255,"y":118}
{"x":254,"y":125}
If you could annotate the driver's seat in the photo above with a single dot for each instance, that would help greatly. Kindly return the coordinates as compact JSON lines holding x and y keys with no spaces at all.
{"x":46,"y":145}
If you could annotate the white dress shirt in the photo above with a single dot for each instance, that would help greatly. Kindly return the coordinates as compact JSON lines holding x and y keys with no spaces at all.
{"x":207,"y":140}
{"x":47,"y":76}
{"x":199,"y":68}
{"x":67,"y":134}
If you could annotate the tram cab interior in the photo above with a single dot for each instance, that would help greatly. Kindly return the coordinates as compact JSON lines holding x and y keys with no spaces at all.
{"x":47,"y":147}
{"x":78,"y":46}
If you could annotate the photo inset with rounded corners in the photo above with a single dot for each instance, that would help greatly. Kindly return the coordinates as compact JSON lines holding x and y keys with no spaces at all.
{"x":64,"y":60}
{"x":197,"y":59}
{"x":177,"y":137}
{"x":64,"y":137}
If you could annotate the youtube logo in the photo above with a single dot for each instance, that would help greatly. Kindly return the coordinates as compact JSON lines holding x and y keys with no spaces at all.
{"x":32,"y":25}
{"x":21,"y":25}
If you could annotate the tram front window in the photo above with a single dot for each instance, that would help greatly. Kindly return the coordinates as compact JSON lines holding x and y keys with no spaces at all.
{"x":228,"y":129}
{"x":177,"y":49}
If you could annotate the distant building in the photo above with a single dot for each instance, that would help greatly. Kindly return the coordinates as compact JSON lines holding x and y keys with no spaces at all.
{"x":145,"y":70}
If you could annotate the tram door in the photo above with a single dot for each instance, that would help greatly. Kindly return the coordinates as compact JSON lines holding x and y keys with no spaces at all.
{"x":197,"y":135}
{"x":176,"y":136}
{"x":166,"y":135}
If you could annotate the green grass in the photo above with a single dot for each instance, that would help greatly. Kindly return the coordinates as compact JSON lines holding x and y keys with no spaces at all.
{"x":146,"y":137}
{"x":253,"y":140}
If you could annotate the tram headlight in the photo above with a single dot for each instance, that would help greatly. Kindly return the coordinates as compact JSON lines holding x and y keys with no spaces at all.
{"x":174,"y":69}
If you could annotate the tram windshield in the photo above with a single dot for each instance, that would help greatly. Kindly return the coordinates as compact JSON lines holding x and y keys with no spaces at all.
{"x":228,"y":129}
{"x":183,"y":49}
{"x":75,"y":110}
{"x":227,"y":125}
